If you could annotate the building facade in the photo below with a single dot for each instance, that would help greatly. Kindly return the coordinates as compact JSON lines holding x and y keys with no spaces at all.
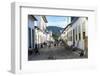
{"x":80,"y":34}
{"x":40,"y":31}
{"x":31,"y":24}
{"x":76,"y":33}
{"x":37,"y":33}
{"x":49,"y":37}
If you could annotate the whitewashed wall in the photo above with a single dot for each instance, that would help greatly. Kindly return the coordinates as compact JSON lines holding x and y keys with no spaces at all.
{"x":31,"y":26}
{"x":76,"y":26}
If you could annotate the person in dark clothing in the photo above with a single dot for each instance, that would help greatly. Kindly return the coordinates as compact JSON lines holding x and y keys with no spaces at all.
{"x":41,"y":45}
{"x":36,"y":50}
{"x":82,"y":53}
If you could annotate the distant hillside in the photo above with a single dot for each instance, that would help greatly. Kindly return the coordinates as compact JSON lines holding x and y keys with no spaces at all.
{"x":54,"y":29}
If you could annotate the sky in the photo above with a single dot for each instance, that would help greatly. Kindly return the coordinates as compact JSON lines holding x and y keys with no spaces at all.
{"x":60,"y":21}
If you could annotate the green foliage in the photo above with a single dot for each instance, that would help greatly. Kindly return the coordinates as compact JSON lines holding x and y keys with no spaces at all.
{"x":55,"y":36}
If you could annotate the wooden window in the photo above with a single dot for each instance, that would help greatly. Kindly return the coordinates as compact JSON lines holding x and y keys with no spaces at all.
{"x":29,"y":37}
{"x":83,"y":35}
{"x":79,"y":36}
{"x":76,"y":33}
{"x":76,"y":36}
{"x":33,"y":37}
{"x":71,"y":35}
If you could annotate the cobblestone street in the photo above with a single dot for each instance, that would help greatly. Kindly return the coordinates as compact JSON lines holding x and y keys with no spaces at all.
{"x":52,"y":53}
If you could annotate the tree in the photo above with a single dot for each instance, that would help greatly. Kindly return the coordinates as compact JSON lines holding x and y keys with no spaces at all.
{"x":55,"y":36}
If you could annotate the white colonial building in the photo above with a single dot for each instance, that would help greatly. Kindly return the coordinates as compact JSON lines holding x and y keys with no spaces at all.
{"x":76,"y":33}
{"x":31,"y":24}
{"x":40,"y":31}
{"x":67,"y":35}
{"x":37,"y":33}
{"x":49,"y":37}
